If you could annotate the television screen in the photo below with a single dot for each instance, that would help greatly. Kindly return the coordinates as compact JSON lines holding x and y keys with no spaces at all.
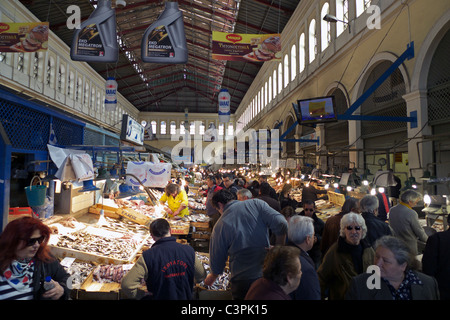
{"x":132,"y":131}
{"x":316,"y":110}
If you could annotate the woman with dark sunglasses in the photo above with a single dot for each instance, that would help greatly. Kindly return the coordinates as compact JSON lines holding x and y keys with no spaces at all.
{"x":25,"y":263}
{"x":346,"y":258}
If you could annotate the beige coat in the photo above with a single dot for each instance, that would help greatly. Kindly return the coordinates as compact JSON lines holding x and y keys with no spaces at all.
{"x":405,"y":223}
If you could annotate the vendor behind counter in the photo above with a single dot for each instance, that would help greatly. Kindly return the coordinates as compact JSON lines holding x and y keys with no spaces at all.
{"x":309,"y":192}
{"x":177,"y":200}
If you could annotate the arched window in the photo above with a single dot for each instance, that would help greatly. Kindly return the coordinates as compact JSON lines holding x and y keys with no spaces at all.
{"x":173,"y":127}
{"x":230,"y":129}
{"x":301,"y":53}
{"x":325,"y":32}
{"x":192,"y":128}
{"x":266,"y":101}
{"x":261,"y":105}
{"x":51,"y":72}
{"x":280,"y":77}
{"x":201,"y":129}
{"x":163,"y":127}
{"x":361,"y":6}
{"x":274,"y":83}
{"x":341,"y":14}
{"x":61,"y":78}
{"x":312,"y":40}
{"x":71,"y":85}
{"x":286,"y":70}
{"x":86,"y":93}
{"x":35,"y":65}
{"x":221,"y":125}
{"x":182,"y":129}
{"x":270,"y":90}
{"x":154,"y":125}
{"x":293,"y":62}
{"x":79,"y":89}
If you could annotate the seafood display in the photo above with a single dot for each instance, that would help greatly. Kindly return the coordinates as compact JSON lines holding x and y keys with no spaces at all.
{"x":79,"y":271}
{"x":152,"y":211}
{"x":110,"y":273}
{"x":119,"y":248}
{"x":114,"y":239}
{"x":222,"y":282}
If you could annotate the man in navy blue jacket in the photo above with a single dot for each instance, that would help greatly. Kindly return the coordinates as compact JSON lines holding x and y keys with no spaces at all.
{"x":168,"y":267}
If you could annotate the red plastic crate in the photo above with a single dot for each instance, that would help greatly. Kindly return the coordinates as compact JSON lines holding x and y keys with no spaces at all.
{"x":20,"y":210}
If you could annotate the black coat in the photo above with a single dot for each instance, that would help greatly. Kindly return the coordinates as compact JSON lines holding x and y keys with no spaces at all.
{"x":310,"y":193}
{"x":315,"y":253}
{"x":53,"y":269}
{"x":309,"y":287}
{"x":375,"y":228}
{"x":436,"y":261}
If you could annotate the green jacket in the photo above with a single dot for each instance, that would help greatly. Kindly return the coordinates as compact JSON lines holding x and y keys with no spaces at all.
{"x":337,"y":270}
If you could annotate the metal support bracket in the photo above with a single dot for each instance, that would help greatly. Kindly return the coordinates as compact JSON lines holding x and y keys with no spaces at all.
{"x":348,"y":115}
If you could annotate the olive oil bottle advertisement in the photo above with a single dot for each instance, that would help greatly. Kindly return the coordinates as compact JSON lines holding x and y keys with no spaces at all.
{"x":89,"y":42}
{"x":159,"y":44}
{"x":23,"y":37}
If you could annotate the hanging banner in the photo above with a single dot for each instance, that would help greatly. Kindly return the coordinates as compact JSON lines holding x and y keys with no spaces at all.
{"x":246,"y":47}
{"x":23,"y":37}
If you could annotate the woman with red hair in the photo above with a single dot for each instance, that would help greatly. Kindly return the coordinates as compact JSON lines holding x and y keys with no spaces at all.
{"x":25,"y":263}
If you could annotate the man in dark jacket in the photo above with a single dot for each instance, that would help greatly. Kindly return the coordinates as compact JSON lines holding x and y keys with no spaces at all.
{"x":309,"y":191}
{"x":272,"y":192}
{"x":309,"y":210}
{"x":301,"y":235}
{"x":436,"y":260}
{"x":168,"y":268}
{"x":264,"y":195}
{"x":376,"y":228}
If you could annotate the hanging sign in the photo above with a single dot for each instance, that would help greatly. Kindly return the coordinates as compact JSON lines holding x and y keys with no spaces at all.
{"x":23,"y":37}
{"x":246,"y":47}
{"x":132,"y":130}
{"x":111,"y":94}
{"x":224,"y":106}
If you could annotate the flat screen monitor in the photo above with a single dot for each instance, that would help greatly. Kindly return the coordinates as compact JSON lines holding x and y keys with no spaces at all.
{"x":132,"y":131}
{"x":316,"y":110}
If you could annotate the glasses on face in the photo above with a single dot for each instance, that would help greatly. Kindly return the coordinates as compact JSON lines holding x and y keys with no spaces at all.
{"x":357,"y":228}
{"x":30,"y":242}
{"x":307,"y":209}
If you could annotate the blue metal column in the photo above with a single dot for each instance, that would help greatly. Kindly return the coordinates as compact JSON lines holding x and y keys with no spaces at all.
{"x":5,"y":176}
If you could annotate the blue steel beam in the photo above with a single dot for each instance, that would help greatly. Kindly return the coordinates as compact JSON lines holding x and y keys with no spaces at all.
{"x":348,"y":115}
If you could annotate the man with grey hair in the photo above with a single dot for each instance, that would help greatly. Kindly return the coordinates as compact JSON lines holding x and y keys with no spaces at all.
{"x":244,"y":194}
{"x":404,"y":221}
{"x":301,"y":235}
{"x":376,"y":228}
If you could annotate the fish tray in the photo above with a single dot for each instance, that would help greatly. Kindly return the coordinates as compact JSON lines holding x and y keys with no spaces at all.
{"x":92,"y":290}
{"x":62,"y":252}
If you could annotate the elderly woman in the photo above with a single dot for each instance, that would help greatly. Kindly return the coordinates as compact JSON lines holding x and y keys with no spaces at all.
{"x":25,"y":263}
{"x":399,"y":280}
{"x":176,"y":199}
{"x":346,"y":258}
{"x":331,"y":229}
{"x":404,"y":221}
